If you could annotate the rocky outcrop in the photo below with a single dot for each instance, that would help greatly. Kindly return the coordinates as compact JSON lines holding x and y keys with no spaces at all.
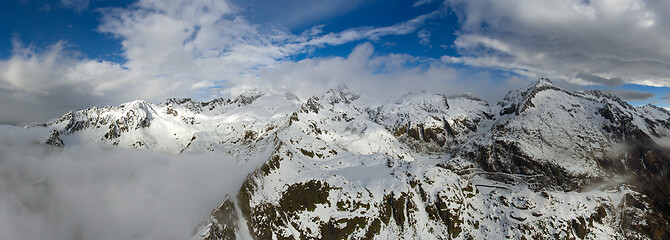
{"x":223,"y":222}
{"x":54,"y":139}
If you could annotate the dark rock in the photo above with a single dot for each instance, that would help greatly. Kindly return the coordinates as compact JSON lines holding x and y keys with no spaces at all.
{"x":54,"y":139}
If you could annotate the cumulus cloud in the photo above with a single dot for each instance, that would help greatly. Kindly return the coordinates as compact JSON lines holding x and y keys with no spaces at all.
{"x":36,"y":84}
{"x":89,"y":192}
{"x":376,"y":77}
{"x":195,"y":38}
{"x":622,"y":40}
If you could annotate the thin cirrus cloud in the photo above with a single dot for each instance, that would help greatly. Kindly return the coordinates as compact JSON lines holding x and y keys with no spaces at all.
{"x":615,"y":42}
{"x":422,"y":2}
{"x":75,"y":5}
{"x":296,"y":13}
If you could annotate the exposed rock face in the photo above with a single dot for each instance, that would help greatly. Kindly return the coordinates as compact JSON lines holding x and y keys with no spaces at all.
{"x":54,"y":139}
{"x":426,"y":118}
{"x":223,"y":222}
{"x":544,"y":163}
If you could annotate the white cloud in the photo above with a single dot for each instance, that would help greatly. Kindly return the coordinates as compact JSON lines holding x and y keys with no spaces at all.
{"x":622,"y":39}
{"x":36,"y":84}
{"x":376,"y":77}
{"x":371,"y":33}
{"x":88,"y":192}
{"x":43,"y":72}
{"x":422,"y":2}
{"x":424,"y":36}
{"x":205,"y":41}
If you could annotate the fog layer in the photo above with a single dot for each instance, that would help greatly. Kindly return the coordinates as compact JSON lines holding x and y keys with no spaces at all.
{"x":91,"y":192}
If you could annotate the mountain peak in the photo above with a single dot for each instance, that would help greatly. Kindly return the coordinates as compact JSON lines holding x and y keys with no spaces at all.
{"x":517,"y":101}
{"x":540,"y":85}
{"x":466,"y":95}
{"x":177,"y":101}
{"x":249,"y":96}
{"x":543,"y":82}
{"x":340,"y":94}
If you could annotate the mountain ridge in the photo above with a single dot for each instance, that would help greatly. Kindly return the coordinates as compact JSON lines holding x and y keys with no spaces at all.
{"x":536,"y":164}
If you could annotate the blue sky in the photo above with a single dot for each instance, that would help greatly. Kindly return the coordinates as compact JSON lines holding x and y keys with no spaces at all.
{"x":43,"y":23}
{"x":63,"y":55}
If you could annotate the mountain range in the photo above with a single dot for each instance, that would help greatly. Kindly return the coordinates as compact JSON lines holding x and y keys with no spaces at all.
{"x":543,"y":163}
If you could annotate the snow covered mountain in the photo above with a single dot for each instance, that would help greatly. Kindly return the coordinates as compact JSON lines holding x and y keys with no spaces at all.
{"x":543,"y":163}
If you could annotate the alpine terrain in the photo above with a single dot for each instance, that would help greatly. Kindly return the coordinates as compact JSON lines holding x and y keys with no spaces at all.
{"x":543,"y":163}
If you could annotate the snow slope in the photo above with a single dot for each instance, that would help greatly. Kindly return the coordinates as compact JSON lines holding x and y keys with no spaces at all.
{"x":543,"y":163}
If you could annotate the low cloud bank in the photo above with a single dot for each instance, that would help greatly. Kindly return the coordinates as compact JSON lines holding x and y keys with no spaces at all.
{"x":92,"y":192}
